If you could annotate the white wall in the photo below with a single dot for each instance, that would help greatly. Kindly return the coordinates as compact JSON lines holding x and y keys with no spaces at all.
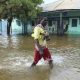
{"x":16,"y":29}
{"x":0,"y":27}
{"x":4,"y":27}
{"x":74,"y":30}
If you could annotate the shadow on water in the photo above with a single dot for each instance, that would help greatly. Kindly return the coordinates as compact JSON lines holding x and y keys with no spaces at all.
{"x":16,"y":56}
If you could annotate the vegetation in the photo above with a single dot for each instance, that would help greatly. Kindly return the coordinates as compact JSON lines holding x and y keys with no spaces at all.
{"x":21,"y":9}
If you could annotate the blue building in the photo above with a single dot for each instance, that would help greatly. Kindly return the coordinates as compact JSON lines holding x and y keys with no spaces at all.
{"x":63,"y":16}
{"x":15,"y":27}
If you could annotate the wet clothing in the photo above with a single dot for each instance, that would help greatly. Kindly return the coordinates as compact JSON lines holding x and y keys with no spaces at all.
{"x":38,"y":34}
{"x":45,"y":56}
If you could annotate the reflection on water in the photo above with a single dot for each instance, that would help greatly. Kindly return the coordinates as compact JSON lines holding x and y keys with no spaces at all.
{"x":16,"y":55}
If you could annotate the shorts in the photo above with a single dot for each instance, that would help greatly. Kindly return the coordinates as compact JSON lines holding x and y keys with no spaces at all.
{"x":46,"y":55}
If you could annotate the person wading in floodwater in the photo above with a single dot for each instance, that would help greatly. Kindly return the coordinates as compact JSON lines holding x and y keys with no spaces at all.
{"x":41,"y":50}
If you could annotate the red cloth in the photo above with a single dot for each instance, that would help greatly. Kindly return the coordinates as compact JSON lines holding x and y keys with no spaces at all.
{"x":46,"y":55}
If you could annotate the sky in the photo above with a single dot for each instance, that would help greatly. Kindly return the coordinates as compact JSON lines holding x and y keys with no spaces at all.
{"x":48,"y":1}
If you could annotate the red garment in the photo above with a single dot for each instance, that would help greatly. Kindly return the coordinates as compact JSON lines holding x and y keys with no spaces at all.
{"x":46,"y":55}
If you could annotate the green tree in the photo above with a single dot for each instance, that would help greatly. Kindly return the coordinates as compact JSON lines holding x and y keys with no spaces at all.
{"x":20,"y":9}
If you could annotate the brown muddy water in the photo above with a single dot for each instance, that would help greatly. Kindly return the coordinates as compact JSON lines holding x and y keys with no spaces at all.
{"x":16,"y":56}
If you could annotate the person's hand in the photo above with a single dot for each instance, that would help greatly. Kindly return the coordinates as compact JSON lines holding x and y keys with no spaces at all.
{"x":46,"y":36}
{"x":46,"y":33}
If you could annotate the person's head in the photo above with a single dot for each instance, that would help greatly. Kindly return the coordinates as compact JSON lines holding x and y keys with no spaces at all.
{"x":43,"y":22}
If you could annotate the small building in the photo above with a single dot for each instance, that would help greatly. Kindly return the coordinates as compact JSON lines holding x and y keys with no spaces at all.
{"x":3,"y":27}
{"x":63,"y":16}
{"x":16,"y":27}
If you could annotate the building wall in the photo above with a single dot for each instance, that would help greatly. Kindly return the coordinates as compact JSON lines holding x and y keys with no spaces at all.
{"x":71,"y":30}
{"x":4,"y":27}
{"x":0,"y":27}
{"x":29,"y":27}
{"x":55,"y":16}
{"x":53,"y":28}
{"x":16,"y":27}
{"x":76,"y":29}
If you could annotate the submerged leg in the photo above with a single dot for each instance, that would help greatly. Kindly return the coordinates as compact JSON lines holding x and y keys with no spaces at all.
{"x":51,"y":64}
{"x":33,"y":64}
{"x":47,"y":56}
{"x":37,"y":57}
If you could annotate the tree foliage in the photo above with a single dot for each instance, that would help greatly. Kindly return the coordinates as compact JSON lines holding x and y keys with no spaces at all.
{"x":22,"y":9}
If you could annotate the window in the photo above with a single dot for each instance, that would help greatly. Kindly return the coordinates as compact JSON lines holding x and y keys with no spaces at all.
{"x":79,"y":20}
{"x":74,"y":22}
{"x":18,"y":22}
{"x":49,"y":23}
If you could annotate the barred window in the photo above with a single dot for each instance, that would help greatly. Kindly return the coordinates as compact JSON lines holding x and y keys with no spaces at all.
{"x":49,"y":23}
{"x":74,"y":22}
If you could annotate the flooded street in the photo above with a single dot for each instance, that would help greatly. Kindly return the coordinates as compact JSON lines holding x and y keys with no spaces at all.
{"x":16,"y":56}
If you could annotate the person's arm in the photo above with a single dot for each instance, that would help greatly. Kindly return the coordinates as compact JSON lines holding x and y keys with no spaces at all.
{"x":46,"y":35}
{"x":45,"y":18}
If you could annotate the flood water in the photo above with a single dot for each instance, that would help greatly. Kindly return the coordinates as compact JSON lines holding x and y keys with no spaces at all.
{"x":16,"y":56}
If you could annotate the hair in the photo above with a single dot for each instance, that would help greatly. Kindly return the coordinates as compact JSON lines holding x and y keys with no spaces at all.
{"x":42,"y":21}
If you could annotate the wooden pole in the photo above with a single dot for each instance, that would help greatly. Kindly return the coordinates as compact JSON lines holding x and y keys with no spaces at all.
{"x":60,"y":19}
{"x":61,"y":24}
